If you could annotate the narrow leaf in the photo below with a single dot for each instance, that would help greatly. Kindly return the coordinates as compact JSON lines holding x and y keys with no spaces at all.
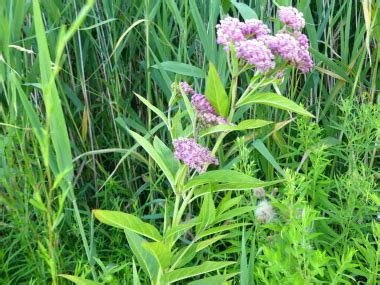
{"x":127,"y":222}
{"x":180,"y":68}
{"x":187,"y":272}
{"x":274,"y":100}
{"x":216,"y":93}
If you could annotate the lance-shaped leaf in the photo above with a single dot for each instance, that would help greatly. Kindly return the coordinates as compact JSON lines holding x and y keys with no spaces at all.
{"x":79,"y":280}
{"x":226,"y":177}
{"x":188,"y":272}
{"x":242,"y":126}
{"x":127,"y":222}
{"x":163,"y":164}
{"x":274,"y":100}
{"x":215,"y":92}
{"x":180,"y":68}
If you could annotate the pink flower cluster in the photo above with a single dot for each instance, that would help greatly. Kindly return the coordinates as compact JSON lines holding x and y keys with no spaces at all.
{"x":291,"y":17}
{"x":254,"y":44}
{"x":193,"y":154}
{"x":255,"y":52}
{"x":186,"y":88}
{"x":206,"y":113}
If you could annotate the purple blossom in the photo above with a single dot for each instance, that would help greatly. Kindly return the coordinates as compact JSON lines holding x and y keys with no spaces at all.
{"x":303,"y":40}
{"x":229,"y":30}
{"x":292,"y":48}
{"x":186,"y":88}
{"x":207,"y":115}
{"x":254,"y":29}
{"x":291,"y":17}
{"x":304,"y":61}
{"x":208,"y":119}
{"x":193,"y":154}
{"x":255,"y":52}
{"x":284,"y":45}
{"x":201,"y":104}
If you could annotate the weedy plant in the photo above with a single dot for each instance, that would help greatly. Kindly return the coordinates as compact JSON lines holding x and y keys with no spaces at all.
{"x":205,"y":120}
{"x":66,"y":95}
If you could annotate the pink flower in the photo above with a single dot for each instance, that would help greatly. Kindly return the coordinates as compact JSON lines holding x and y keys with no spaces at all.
{"x":193,"y":154}
{"x":304,"y":61}
{"x":302,"y":39}
{"x":291,"y":17}
{"x":206,"y":113}
{"x":229,"y":31}
{"x":255,"y":52}
{"x":186,"y":88}
{"x":292,"y":48}
{"x":201,"y":104}
{"x":254,"y":29}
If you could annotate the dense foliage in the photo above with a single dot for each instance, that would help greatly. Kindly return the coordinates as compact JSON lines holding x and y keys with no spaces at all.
{"x":189,"y":142}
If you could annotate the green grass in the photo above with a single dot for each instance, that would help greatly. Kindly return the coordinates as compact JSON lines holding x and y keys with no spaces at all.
{"x":68,"y":81}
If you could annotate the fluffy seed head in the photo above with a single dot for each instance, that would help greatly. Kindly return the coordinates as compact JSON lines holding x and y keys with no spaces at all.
{"x":193,"y":154}
{"x":259,"y":192}
{"x":264,"y":212}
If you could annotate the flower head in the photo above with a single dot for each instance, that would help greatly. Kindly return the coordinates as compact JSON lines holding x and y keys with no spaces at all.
{"x":290,"y":47}
{"x":255,"y":52}
{"x":186,"y":88}
{"x":254,"y":28}
{"x":259,"y":192}
{"x":264,"y":212}
{"x":193,"y":154}
{"x":302,"y":39}
{"x":291,"y":17}
{"x":304,"y":61}
{"x":229,"y":30}
{"x":206,"y":113}
{"x":201,"y":104}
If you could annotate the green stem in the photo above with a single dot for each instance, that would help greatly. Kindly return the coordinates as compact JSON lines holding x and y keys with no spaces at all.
{"x":176,"y":217}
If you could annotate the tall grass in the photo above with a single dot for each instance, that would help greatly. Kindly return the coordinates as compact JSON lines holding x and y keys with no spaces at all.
{"x":69,"y":71}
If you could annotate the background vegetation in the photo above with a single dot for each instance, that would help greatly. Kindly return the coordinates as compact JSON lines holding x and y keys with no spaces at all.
{"x":83,"y":78}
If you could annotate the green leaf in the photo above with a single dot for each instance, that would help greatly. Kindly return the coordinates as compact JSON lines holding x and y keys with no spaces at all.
{"x":233,"y":213}
{"x":180,"y":68}
{"x":153,"y":108}
{"x":243,"y":125}
{"x":153,"y":153}
{"x":227,"y":203}
{"x":54,"y":112}
{"x":215,"y":230}
{"x":146,"y":260}
{"x":207,"y":44}
{"x":274,"y":100}
{"x":179,"y":230}
{"x":166,"y":155}
{"x":207,"y":213}
{"x":259,"y":145}
{"x":215,"y":92}
{"x":188,"y":272}
{"x":160,"y":251}
{"x":127,"y":222}
{"x":78,"y":280}
{"x":244,"y":10}
{"x":136,"y":280}
{"x":213,"y":280}
{"x":208,"y":188}
{"x":206,"y":243}
{"x":223,"y":176}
